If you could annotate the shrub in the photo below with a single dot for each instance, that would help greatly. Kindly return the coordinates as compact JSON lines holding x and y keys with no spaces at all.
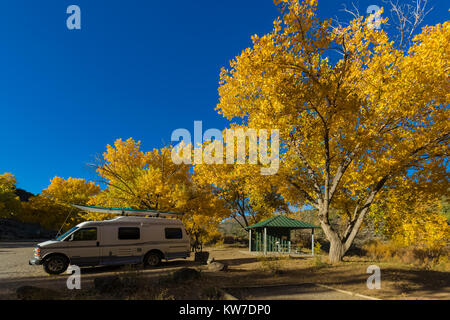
{"x":212,"y":293}
{"x":317,"y":248}
{"x":378,"y":250}
{"x":163,"y":295}
{"x":425,"y":257}
{"x":271,"y":264}
{"x":317,"y":261}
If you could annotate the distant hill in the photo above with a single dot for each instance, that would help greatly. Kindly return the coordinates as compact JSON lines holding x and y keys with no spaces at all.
{"x":23,"y":194}
{"x":11,"y":229}
{"x":230,"y":228}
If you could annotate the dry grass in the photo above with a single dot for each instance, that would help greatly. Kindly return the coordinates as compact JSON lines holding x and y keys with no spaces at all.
{"x":425,"y":258}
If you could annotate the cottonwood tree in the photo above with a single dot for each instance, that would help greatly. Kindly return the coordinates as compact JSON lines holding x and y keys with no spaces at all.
{"x":413,"y":213}
{"x":152,"y":181}
{"x":248,"y":199}
{"x":204,"y":212}
{"x":355,"y":112}
{"x":249,"y":196}
{"x":405,"y":18}
{"x":141,"y":180}
{"x":9,"y":201}
{"x":52,"y":208}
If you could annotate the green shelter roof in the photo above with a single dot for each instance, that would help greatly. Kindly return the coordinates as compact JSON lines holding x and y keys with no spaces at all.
{"x":282,"y":222}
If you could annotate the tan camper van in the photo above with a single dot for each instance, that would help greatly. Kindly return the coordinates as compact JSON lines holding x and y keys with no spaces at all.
{"x":123,"y":240}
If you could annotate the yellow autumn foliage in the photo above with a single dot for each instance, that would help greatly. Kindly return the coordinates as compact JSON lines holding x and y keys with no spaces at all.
{"x":9,"y":201}
{"x":430,"y":231}
{"x":52,"y":208}
{"x":415,"y":219}
{"x":355,"y":111}
{"x":152,"y":181}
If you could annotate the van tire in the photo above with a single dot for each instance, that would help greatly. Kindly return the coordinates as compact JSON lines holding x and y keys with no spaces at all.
{"x":152,"y":259}
{"x":56,"y":264}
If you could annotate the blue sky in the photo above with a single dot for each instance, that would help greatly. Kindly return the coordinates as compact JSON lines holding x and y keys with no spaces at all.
{"x":136,"y":69}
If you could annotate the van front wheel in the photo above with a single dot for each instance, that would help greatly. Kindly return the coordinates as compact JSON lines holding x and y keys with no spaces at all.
{"x":56,"y":264}
{"x":152,"y":259}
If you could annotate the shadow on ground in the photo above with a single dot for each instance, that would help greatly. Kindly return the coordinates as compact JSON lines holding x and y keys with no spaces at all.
{"x":348,"y":276}
{"x":304,"y":291}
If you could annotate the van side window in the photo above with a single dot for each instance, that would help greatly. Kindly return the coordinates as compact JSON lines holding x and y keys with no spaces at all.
{"x":87,"y":234}
{"x":129,"y":233}
{"x":174,"y":233}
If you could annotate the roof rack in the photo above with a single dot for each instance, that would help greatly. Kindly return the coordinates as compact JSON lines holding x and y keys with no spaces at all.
{"x":127,"y":211}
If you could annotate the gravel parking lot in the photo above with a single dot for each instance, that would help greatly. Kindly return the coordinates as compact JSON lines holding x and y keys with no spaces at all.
{"x":16,"y":272}
{"x":14,"y":268}
{"x":14,"y":258}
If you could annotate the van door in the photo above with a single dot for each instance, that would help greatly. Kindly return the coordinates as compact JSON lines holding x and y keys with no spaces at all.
{"x":83,"y":247}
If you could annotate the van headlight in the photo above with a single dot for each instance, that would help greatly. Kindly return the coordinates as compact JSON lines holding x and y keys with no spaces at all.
{"x":37,"y":252}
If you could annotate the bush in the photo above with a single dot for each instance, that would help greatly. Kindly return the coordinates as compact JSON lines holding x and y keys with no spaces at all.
{"x":185,"y":274}
{"x":317,"y":260}
{"x":425,"y":257}
{"x":163,"y":295}
{"x":378,"y":250}
{"x":212,"y":293}
{"x":271,"y":264}
{"x":216,"y":240}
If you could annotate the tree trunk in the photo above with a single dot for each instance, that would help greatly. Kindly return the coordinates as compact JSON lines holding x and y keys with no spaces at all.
{"x":337,"y":245}
{"x":336,"y":250}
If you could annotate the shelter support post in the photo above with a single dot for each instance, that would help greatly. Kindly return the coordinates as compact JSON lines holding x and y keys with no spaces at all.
{"x":265,"y":241}
{"x":250,"y":240}
{"x":312,"y":241}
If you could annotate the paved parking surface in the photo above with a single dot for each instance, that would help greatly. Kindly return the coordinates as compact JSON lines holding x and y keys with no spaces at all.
{"x":16,"y":272}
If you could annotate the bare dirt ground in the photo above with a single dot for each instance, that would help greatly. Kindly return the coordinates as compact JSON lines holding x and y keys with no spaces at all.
{"x":398,"y":281}
{"x":248,"y":277}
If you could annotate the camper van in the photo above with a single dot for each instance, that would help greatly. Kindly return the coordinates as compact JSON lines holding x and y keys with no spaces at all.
{"x":119,"y":241}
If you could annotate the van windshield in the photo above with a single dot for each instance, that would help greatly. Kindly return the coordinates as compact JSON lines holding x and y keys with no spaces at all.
{"x":66,"y":234}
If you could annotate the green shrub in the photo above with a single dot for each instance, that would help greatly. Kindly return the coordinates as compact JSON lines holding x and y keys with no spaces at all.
{"x":318,"y":259}
{"x":271,"y":264}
